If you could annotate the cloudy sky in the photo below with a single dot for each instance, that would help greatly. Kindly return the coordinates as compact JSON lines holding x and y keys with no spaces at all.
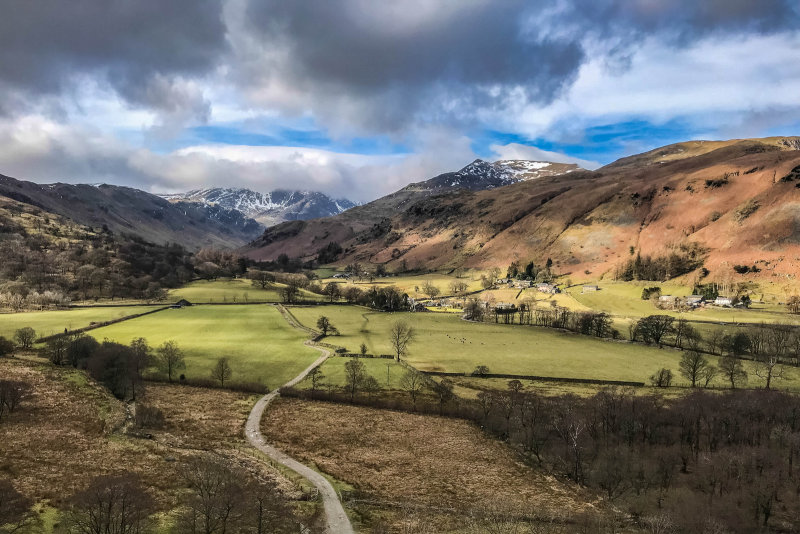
{"x":356,"y":98}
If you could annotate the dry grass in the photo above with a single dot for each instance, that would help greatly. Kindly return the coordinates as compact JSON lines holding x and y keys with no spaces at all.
{"x":70,"y":430}
{"x":442,"y":468}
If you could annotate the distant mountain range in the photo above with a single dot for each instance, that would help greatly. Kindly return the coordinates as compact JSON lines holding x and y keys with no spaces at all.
{"x":267,"y":208}
{"x":130,"y":211}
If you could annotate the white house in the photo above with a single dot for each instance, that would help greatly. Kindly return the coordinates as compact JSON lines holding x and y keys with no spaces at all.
{"x":723,"y":301}
{"x":589,"y":289}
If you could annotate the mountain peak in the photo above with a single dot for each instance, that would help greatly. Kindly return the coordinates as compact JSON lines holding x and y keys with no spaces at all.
{"x":481,"y":174}
{"x":269,"y":208}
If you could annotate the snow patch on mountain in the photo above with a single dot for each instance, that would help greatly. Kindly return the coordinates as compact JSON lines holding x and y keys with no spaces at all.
{"x":481,"y":174}
{"x":269,"y":208}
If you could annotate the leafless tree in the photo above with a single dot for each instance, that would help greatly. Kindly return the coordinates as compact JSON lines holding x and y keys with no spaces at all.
{"x":112,"y":504}
{"x":733,"y":370}
{"x":692,"y":366}
{"x":317,"y":376}
{"x":222,"y":371}
{"x":354,"y":375}
{"x":429,"y":289}
{"x":413,"y":382}
{"x":170,"y":359}
{"x":401,"y":336}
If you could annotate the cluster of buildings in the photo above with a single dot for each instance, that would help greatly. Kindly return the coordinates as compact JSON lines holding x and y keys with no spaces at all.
{"x":544,"y":287}
{"x":693,"y":301}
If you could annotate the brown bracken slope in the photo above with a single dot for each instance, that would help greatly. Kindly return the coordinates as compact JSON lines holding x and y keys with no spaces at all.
{"x":738,"y":200}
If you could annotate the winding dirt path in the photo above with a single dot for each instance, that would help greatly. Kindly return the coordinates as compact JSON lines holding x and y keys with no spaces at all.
{"x":336,"y":520}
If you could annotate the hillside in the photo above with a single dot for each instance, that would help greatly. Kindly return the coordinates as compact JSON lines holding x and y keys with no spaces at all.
{"x":731,"y":203}
{"x":125,"y":210}
{"x":267,"y":208}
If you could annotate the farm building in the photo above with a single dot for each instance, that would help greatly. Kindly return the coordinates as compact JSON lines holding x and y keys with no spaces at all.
{"x":182,"y":304}
{"x":589,"y":289}
{"x":545,"y":287}
{"x":521,"y":284}
{"x":694,"y":300}
{"x":723,"y":301}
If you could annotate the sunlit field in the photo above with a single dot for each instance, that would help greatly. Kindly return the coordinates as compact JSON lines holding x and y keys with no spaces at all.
{"x":259,"y":343}
{"x":446,"y":343}
{"x":54,"y":322}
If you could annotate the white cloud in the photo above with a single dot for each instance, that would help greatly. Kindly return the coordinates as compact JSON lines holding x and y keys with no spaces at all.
{"x":518,"y":151}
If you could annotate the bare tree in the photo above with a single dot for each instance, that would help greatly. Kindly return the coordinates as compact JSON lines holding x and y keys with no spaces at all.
{"x":793,"y":304}
{"x":112,"y":504}
{"x":261,"y":279}
{"x":214,"y":503}
{"x":140,"y":360}
{"x":429,"y":289}
{"x":332,"y":291}
{"x":413,"y":382}
{"x":733,"y":370}
{"x":400,"y":337}
{"x":707,"y":374}
{"x":222,"y":371}
{"x":768,"y":367}
{"x":170,"y":359}
{"x":317,"y":376}
{"x":354,"y":374}
{"x":692,"y":366}
{"x":458,"y":288}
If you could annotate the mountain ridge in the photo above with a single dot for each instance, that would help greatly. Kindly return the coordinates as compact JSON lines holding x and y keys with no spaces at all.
{"x":735,"y":200}
{"x":128,"y":210}
{"x":268,"y":208}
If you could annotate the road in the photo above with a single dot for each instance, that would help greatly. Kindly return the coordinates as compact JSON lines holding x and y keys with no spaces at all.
{"x":336,"y":520}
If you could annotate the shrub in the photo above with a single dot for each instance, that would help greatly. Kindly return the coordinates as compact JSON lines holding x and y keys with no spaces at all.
{"x":662,"y":378}
{"x":746,"y":210}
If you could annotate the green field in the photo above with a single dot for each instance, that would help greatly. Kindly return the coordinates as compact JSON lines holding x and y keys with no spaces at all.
{"x":53,"y":322}
{"x":235,"y":290}
{"x":259,"y":343}
{"x":333,"y":369}
{"x":625,"y":299}
{"x":446,"y":343}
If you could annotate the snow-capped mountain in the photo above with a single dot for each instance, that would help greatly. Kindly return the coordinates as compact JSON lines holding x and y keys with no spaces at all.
{"x":267,"y":208}
{"x":482,"y":174}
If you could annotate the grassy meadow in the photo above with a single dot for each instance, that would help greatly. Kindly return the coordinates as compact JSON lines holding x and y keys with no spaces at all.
{"x":446,"y":343}
{"x":53,"y":322}
{"x":235,"y":290}
{"x":625,"y":299}
{"x":259,"y":343}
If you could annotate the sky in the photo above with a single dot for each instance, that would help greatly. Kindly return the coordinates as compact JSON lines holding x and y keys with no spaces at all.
{"x":357,"y":98}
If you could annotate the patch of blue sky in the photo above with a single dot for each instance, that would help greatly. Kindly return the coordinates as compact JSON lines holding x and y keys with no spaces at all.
{"x":296,"y":137}
{"x":603,"y":143}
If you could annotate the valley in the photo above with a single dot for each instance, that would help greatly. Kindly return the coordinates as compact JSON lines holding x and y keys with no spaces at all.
{"x":463,"y":393}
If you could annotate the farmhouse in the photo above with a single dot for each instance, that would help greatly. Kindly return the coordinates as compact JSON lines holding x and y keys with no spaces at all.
{"x":521,"y":284}
{"x":545,"y":287}
{"x":695,"y":300}
{"x":723,"y":301}
{"x":589,"y":289}
{"x":504,"y":281}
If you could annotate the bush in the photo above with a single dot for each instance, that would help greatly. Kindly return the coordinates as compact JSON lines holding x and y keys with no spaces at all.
{"x":746,"y":210}
{"x":662,"y":379}
{"x":149,"y":416}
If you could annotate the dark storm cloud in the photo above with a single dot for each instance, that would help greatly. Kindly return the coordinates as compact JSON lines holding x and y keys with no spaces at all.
{"x":467,"y":55}
{"x":413,"y":62}
{"x":45,"y":45}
